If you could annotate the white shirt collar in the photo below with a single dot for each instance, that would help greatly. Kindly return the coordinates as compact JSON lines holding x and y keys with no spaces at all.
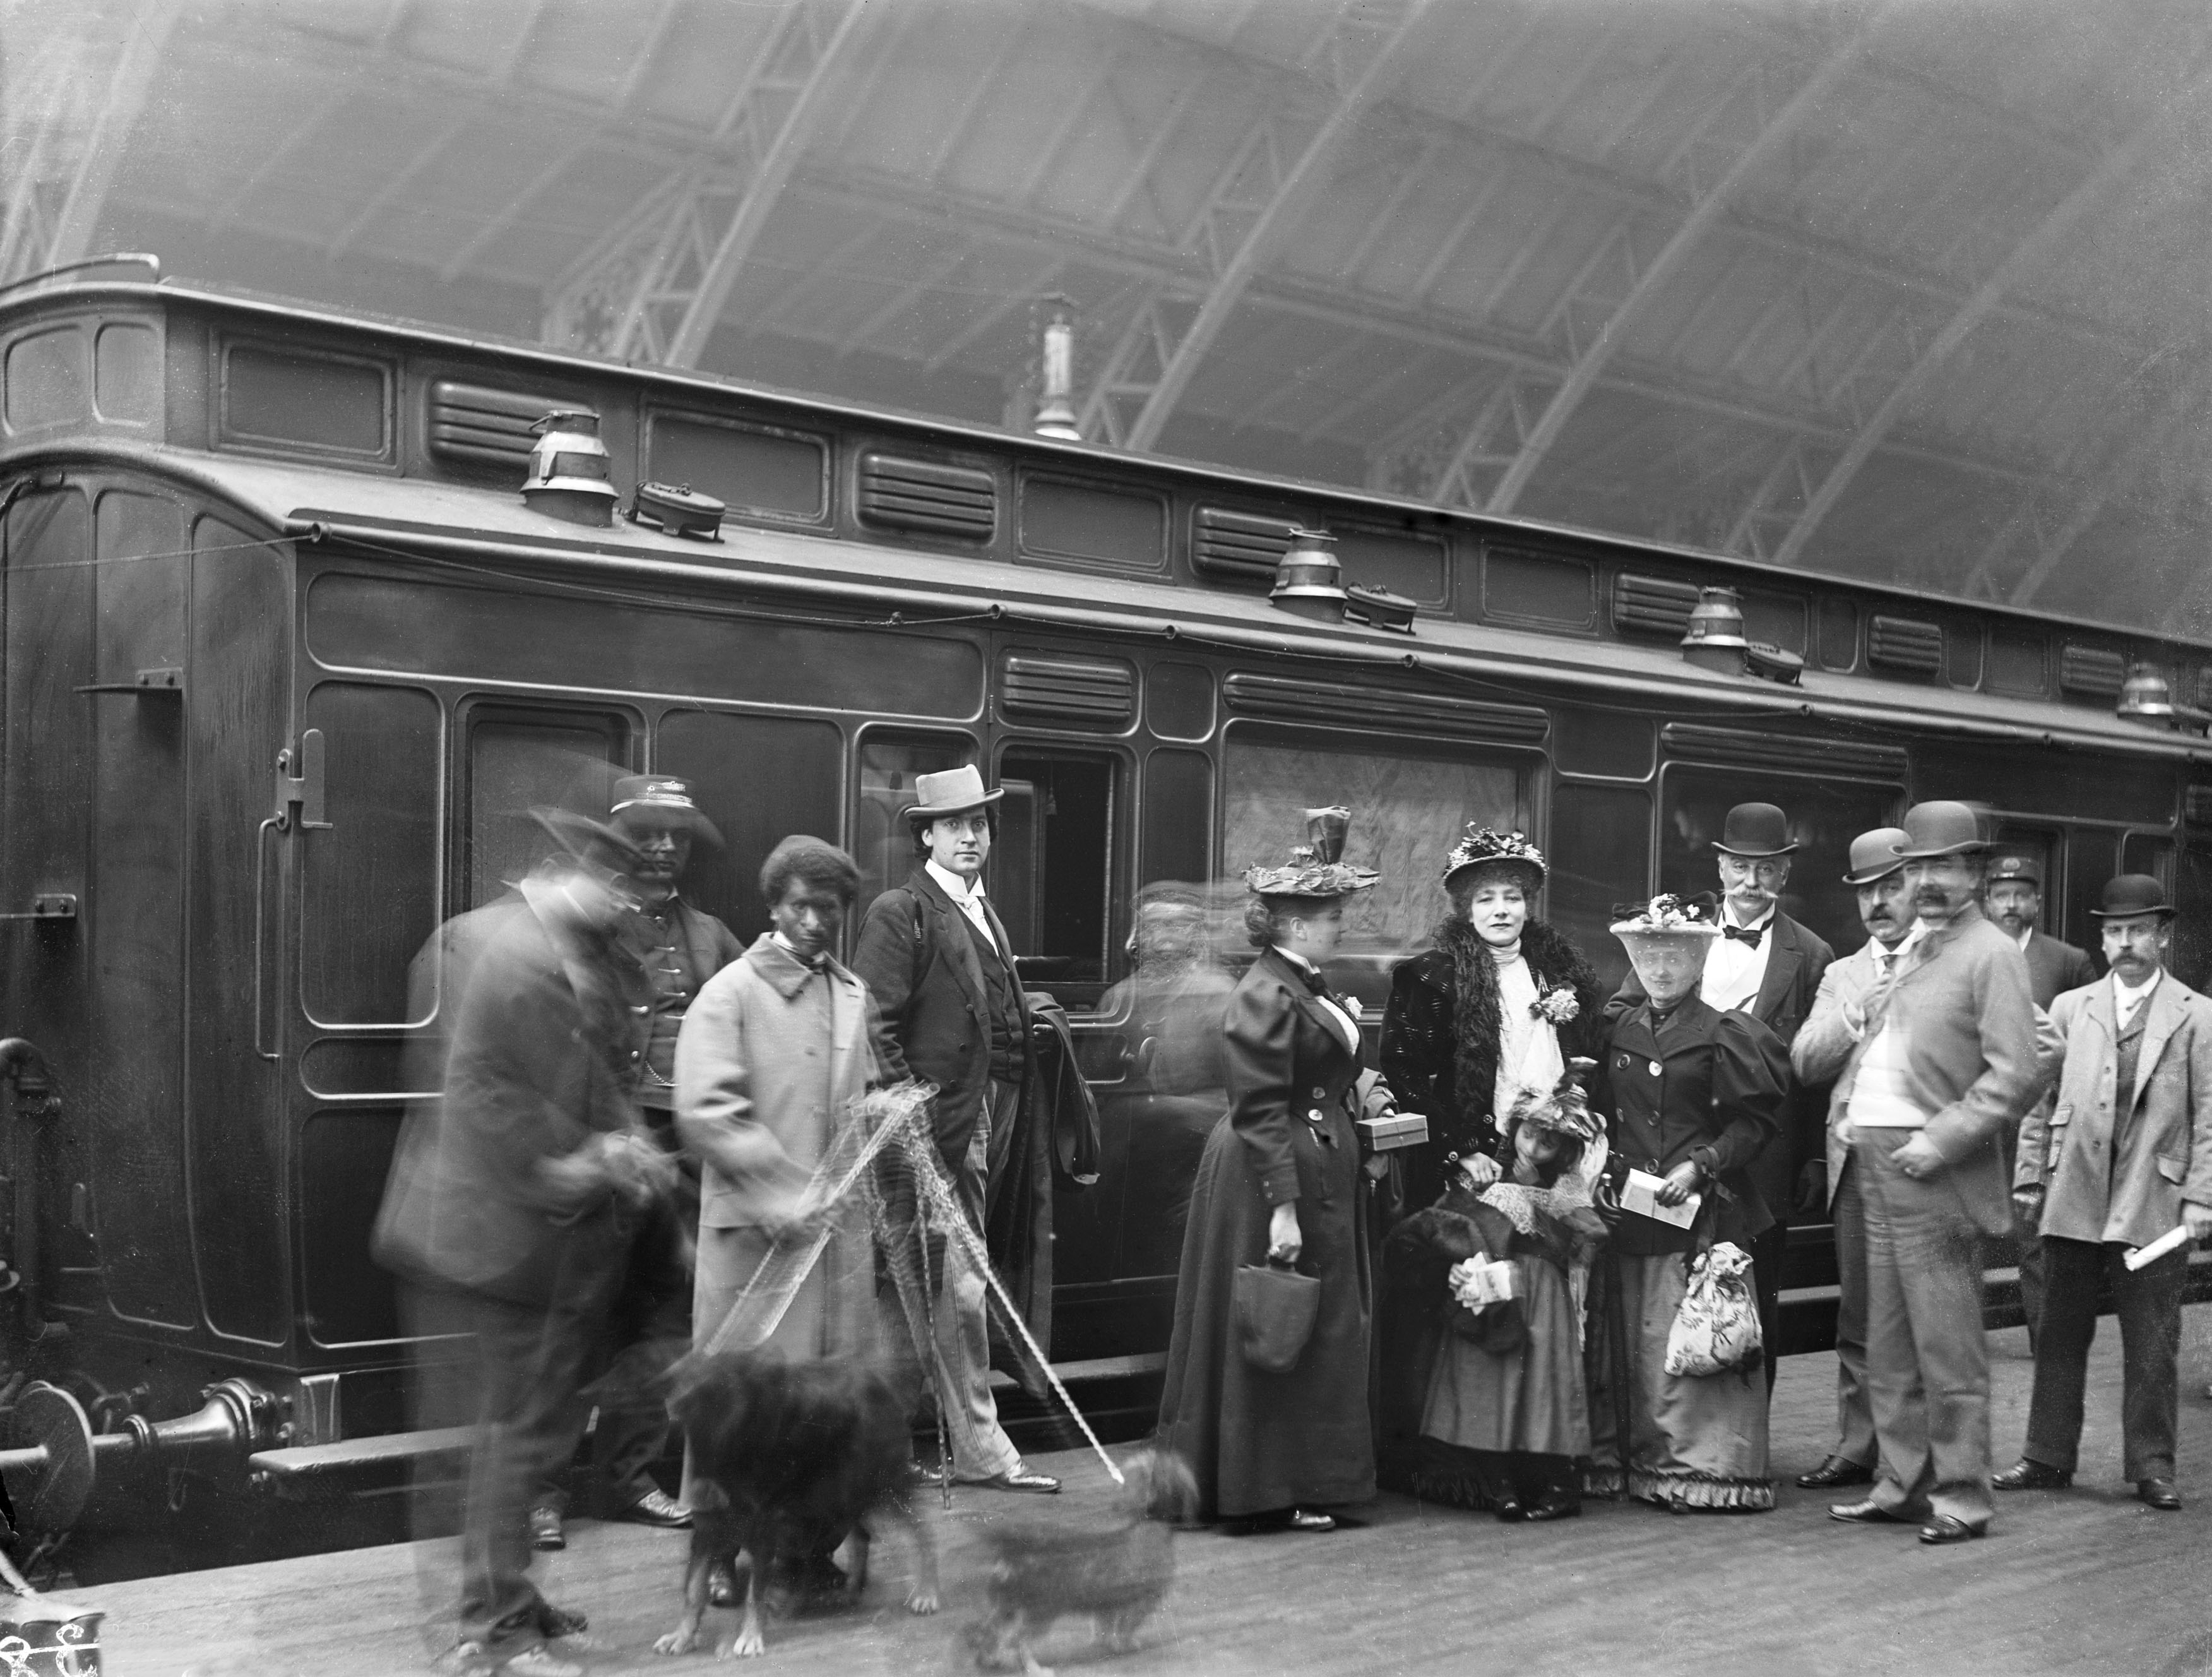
{"x":1728,"y":916}
{"x":957,"y":889}
{"x":2025,"y":939}
{"x":1295,"y":958}
{"x":2126,"y":997}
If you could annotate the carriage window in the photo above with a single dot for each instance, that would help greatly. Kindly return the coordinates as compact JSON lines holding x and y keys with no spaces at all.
{"x":2151,"y":853}
{"x":730,"y":761}
{"x":1825,"y":817}
{"x":881,"y":842}
{"x":1600,"y":852}
{"x":2092,"y":858}
{"x":520,"y":760}
{"x":1407,"y":811}
{"x":1052,"y":872}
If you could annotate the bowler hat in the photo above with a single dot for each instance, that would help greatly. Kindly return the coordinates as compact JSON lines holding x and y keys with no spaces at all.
{"x":658,"y":801}
{"x":1755,"y":830}
{"x":2133,"y":894}
{"x":1941,"y":827}
{"x":1873,"y":855}
{"x":953,"y":792}
{"x":2015,"y":867}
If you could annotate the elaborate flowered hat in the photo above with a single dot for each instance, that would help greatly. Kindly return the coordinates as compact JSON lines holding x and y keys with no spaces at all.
{"x":1667,"y":915}
{"x":1486,"y":844}
{"x":1316,"y":868}
{"x":1564,"y":1109}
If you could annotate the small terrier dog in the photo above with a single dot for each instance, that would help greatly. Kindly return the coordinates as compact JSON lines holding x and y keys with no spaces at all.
{"x":1116,"y":1578}
{"x":804,"y":1454}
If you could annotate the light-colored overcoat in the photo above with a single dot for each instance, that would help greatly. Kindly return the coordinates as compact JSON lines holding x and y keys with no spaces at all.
{"x":2131,"y":1194}
{"x":769,"y":1059}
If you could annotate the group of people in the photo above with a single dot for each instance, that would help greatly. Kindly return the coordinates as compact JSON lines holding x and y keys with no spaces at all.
{"x":1571,"y":1286}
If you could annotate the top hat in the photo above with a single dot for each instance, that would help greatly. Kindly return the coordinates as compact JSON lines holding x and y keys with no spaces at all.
{"x":2015,"y":867}
{"x":953,"y":791}
{"x":658,"y":801}
{"x":1942,"y":827}
{"x":2133,"y":894}
{"x":1873,"y":855}
{"x":1755,"y":830}
{"x":1485,"y":844}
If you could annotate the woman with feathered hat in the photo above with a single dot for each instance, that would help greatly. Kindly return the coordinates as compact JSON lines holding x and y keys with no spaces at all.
{"x":1280,"y":1183}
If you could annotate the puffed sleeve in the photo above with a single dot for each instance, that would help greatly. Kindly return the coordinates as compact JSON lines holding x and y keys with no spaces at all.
{"x":1417,"y":1040}
{"x":1751,"y":1079}
{"x":1258,"y":1035}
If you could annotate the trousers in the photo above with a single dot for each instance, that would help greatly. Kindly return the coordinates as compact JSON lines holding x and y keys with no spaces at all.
{"x":980,"y":1449}
{"x":2150,"y":1305}
{"x":1855,"y":1440}
{"x":1928,"y":1363}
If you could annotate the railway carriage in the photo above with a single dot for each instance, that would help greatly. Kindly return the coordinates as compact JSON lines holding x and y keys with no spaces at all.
{"x":288,"y":653}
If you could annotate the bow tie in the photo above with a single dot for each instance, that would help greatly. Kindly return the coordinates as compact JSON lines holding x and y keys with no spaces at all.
{"x":1744,"y":935}
{"x":1312,"y":980}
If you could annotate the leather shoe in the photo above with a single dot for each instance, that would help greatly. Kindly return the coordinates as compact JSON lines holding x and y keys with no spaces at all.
{"x":2029,"y":1475}
{"x":1835,"y":1472}
{"x":1509,"y":1510}
{"x":1551,"y":1508}
{"x":2159,"y":1493}
{"x":1947,"y":1529}
{"x":657,"y":1508}
{"x":1021,"y":1479}
{"x":1866,"y":1513}
{"x":545,"y":1529}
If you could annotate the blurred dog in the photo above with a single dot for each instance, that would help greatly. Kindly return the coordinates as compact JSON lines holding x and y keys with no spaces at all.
{"x":804,"y":1454}
{"x":1117,"y":1576}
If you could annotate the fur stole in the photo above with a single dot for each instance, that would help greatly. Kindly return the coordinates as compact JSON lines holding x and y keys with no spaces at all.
{"x":1477,"y":1024}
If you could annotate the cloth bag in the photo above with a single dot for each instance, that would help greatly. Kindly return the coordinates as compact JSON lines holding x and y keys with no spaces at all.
{"x":1717,"y":1327}
{"x":1275,"y":1309}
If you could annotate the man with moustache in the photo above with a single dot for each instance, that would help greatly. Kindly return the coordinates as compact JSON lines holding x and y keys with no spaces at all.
{"x":2124,"y":1157}
{"x":1944,"y":1062}
{"x":1838,"y":1020}
{"x":1768,"y":965}
{"x":2015,"y":904}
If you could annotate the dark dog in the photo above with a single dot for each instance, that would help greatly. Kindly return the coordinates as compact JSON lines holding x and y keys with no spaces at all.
{"x":806,"y":1454}
{"x":1115,"y":1576}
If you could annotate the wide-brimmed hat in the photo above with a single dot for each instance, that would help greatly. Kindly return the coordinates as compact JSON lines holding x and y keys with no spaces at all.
{"x":1316,"y":868}
{"x":1873,"y":855}
{"x":2015,"y":867}
{"x":1564,"y":1109}
{"x":658,"y":801}
{"x":1942,"y":827}
{"x":2132,"y":894}
{"x":1666,"y":916}
{"x":580,"y":839}
{"x":951,"y":791}
{"x":1753,"y":831}
{"x":1485,"y":844}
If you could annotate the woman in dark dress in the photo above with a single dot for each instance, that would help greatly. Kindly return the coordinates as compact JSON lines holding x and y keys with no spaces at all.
{"x":1280,"y":1179}
{"x":1498,"y":1005}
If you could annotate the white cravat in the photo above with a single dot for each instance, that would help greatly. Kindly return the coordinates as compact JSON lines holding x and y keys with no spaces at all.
{"x":2126,"y":998}
{"x":1734,"y":971}
{"x":1338,"y":1017}
{"x":968,"y":898}
{"x":2025,"y":938}
{"x":1878,"y":1099}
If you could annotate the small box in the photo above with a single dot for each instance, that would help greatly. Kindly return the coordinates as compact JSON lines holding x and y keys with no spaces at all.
{"x":1397,"y":1129}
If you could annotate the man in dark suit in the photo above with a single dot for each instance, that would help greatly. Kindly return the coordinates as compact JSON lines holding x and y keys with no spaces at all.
{"x":1768,"y":965}
{"x":937,"y":957}
{"x":2014,"y":901}
{"x":2125,"y":1157}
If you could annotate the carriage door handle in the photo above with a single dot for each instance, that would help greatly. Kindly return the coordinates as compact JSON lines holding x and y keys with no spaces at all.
{"x":301,"y":792}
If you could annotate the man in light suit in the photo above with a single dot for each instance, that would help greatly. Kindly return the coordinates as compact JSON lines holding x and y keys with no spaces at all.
{"x":1877,"y":873}
{"x":2014,"y":899}
{"x":1768,"y":965}
{"x":2125,"y":1156}
{"x":1945,"y":1061}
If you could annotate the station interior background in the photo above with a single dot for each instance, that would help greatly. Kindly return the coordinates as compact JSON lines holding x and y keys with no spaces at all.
{"x":1913,"y":290}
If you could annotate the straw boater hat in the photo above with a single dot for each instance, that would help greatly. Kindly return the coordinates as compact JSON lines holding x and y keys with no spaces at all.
{"x":1315,"y":868}
{"x":953,"y":791}
{"x":1482,"y":845}
{"x":1873,"y":855}
{"x":658,"y":801}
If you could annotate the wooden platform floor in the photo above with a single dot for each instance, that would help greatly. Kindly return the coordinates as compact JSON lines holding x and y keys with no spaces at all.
{"x":2082,"y":1581}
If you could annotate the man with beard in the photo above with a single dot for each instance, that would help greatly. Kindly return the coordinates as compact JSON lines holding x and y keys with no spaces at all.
{"x":2125,"y":1157}
{"x":1839,"y":1012}
{"x":1768,"y":965}
{"x":1945,"y":1063}
{"x":2015,"y":904}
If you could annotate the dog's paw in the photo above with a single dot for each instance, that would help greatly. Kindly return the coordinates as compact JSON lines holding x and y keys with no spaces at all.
{"x":676,"y":1642}
{"x":921,"y":1601}
{"x":745,"y":1645}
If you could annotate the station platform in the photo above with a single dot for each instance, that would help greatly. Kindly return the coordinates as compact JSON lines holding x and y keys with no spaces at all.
{"x":2084,"y":1581}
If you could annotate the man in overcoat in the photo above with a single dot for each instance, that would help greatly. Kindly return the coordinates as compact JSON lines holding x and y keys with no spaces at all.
{"x":1768,"y":965}
{"x":1877,"y":873}
{"x":1944,"y":1063}
{"x":938,"y":960}
{"x":2124,"y":1157}
{"x":2015,"y":904}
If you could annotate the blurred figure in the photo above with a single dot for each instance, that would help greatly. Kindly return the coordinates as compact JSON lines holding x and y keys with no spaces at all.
{"x":510,"y":1207}
{"x":682,"y":947}
{"x":1172,"y":1091}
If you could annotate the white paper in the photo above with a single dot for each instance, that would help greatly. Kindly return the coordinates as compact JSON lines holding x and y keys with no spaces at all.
{"x":1475,"y":1282}
{"x":1639,"y":1196}
{"x":2157,"y":1249}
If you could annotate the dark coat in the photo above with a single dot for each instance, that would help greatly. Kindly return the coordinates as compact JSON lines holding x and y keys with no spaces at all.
{"x":1721,"y":1081}
{"x":2054,"y":968}
{"x":917,"y":957}
{"x":1793,"y":965}
{"x":1257,"y":1441}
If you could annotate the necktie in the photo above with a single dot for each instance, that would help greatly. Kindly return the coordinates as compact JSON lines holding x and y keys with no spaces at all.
{"x":1312,"y":980}
{"x":1744,"y":935}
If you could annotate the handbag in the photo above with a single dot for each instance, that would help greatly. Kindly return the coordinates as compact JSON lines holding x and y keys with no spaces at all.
{"x":1716,"y":1326}
{"x":1275,"y":1307}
